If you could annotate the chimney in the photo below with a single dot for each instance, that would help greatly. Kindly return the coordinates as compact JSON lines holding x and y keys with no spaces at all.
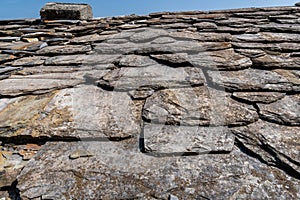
{"x":68,"y":11}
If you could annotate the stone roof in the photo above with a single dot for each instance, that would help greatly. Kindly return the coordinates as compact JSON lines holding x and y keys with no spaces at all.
{"x":185,"y":105}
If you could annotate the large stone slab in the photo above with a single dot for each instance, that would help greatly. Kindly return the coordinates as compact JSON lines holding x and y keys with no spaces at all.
{"x":153,"y":77}
{"x":118,"y":171}
{"x":53,"y":11}
{"x":180,"y":140}
{"x":285,"y":111}
{"x":196,"y":106}
{"x":69,"y":114}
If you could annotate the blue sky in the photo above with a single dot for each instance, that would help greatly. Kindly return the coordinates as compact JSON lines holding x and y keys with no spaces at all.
{"x":15,"y":9}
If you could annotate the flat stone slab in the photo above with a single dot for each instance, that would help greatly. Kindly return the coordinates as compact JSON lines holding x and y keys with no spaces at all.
{"x":220,"y":60}
{"x":64,"y":50}
{"x":66,"y":114}
{"x":54,"y":11}
{"x":272,"y":142}
{"x":285,"y":111}
{"x":284,"y":60}
{"x":155,"y":76}
{"x":182,"y":140}
{"x":196,"y":106}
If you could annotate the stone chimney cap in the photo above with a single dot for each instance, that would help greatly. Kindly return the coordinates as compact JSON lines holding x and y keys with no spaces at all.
{"x":69,"y":11}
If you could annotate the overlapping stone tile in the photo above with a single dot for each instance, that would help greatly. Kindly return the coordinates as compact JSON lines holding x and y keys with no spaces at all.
{"x":220,"y":60}
{"x":37,"y":84}
{"x":93,"y":59}
{"x":135,"y":61}
{"x":280,"y":144}
{"x":258,"y":97}
{"x":251,"y":79}
{"x":268,"y":37}
{"x":285,"y":111}
{"x":66,"y":49}
{"x":29,"y":61}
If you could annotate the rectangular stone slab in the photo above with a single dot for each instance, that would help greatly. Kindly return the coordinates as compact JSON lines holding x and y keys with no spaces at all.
{"x":53,"y":11}
{"x":166,"y":139}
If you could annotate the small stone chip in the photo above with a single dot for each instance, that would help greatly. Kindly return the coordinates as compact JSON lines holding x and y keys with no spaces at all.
{"x":80,"y":154}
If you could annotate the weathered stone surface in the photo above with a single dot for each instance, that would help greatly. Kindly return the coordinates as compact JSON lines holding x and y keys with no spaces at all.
{"x":258,"y":97}
{"x":273,"y":144}
{"x":196,"y":106}
{"x":285,"y":111}
{"x":153,"y":77}
{"x":173,"y":89}
{"x":250,"y":79}
{"x":66,"y":11}
{"x":179,"y":140}
{"x":126,"y":173}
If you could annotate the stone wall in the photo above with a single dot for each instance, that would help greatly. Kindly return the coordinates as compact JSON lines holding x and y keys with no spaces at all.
{"x":187,"y":105}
